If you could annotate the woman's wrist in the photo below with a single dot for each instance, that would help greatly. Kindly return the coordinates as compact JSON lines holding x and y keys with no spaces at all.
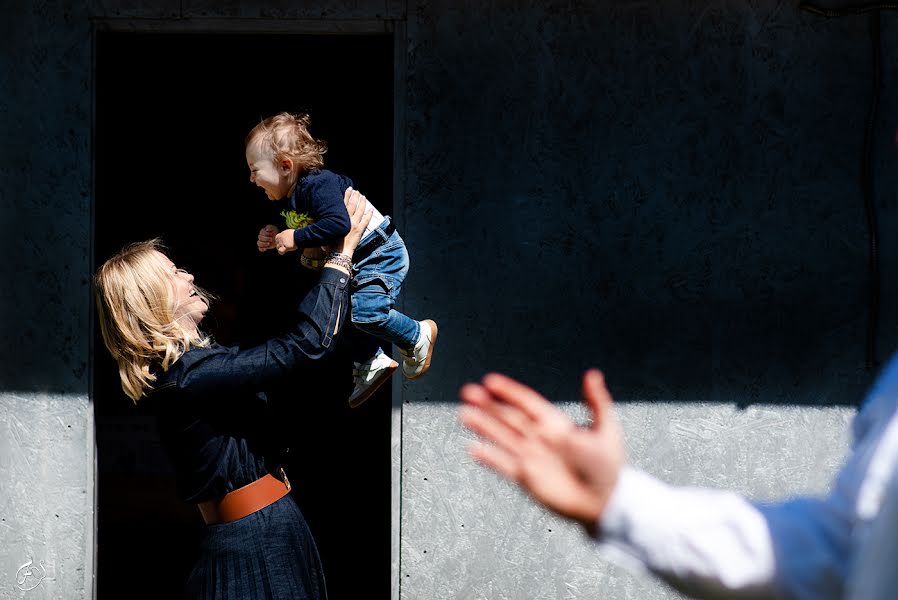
{"x":339,"y":261}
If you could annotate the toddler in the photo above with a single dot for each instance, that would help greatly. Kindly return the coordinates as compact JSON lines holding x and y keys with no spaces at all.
{"x":288,"y":164}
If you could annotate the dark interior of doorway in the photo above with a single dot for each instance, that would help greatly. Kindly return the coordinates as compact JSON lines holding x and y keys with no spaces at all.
{"x":172,"y":111}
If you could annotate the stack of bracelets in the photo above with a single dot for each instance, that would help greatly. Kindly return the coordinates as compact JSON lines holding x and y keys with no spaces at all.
{"x":338,"y":259}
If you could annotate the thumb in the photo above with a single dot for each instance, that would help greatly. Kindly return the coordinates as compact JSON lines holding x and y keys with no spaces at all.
{"x":598,"y":398}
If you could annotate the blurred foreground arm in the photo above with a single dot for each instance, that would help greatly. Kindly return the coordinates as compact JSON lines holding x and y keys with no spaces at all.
{"x":706,"y":543}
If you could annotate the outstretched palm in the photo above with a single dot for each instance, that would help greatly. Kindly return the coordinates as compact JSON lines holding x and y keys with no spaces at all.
{"x":570,"y":469}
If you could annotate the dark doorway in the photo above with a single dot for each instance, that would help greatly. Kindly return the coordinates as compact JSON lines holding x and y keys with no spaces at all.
{"x":172,"y":111}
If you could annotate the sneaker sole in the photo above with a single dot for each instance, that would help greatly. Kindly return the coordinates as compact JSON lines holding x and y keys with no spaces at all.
{"x":381,"y":378}
{"x":433,"y":342}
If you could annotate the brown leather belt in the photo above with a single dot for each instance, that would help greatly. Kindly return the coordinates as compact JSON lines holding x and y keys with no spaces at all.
{"x":246,"y":500}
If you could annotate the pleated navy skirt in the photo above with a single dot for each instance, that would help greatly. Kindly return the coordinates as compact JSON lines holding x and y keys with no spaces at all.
{"x":268,"y":555}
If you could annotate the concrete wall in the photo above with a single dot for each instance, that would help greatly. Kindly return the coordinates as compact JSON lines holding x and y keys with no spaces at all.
{"x":669,"y":192}
{"x":46,"y":420}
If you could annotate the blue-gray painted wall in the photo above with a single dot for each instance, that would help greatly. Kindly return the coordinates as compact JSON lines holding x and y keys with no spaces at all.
{"x":669,"y":191}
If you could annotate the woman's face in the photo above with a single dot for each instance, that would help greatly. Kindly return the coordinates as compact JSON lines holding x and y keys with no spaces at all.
{"x":189,"y":307}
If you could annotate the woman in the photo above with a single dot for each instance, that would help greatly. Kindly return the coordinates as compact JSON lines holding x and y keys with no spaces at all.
{"x":212,"y":415}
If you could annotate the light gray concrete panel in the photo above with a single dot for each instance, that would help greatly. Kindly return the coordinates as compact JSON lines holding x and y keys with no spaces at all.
{"x":46,"y":496}
{"x":468,"y":534}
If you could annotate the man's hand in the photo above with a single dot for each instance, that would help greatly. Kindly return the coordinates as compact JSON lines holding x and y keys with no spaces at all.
{"x":266,"y":238}
{"x":568,"y":468}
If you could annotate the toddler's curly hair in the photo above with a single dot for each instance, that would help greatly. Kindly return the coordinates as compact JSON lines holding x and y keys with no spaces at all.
{"x":288,"y":135}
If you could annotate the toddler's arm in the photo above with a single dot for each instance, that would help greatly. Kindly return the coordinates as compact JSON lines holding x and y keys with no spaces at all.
{"x":324,"y":195}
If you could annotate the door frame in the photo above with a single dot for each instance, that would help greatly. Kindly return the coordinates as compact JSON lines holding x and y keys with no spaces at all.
{"x":396,"y":27}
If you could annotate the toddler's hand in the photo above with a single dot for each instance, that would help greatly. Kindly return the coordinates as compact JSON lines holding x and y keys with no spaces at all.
{"x":266,"y":238}
{"x":284,"y":241}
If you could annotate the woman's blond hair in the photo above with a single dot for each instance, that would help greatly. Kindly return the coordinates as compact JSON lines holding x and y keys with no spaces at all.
{"x":287,"y":134}
{"x":136,"y":306}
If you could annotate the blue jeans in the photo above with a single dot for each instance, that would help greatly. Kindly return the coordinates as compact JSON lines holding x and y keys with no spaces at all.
{"x":375,"y":286}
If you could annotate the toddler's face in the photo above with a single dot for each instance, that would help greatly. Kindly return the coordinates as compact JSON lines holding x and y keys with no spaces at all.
{"x":265,"y":172}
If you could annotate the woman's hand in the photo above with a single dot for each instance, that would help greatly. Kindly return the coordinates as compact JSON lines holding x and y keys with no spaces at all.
{"x":359,"y":217}
{"x":265,"y":240}
{"x":570,"y":469}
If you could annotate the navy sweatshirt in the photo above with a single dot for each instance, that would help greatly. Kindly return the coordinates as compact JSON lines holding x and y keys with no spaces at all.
{"x":320,"y":195}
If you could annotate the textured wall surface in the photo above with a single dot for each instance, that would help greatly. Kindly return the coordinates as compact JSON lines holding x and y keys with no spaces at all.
{"x":669,"y":191}
{"x":467,"y":535}
{"x":685,"y":176}
{"x":46,"y":496}
{"x":46,"y":421}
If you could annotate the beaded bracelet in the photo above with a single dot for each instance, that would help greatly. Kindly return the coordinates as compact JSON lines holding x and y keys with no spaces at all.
{"x":338,"y":259}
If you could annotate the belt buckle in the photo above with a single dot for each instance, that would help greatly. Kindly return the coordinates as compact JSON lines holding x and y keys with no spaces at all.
{"x":282,"y":475}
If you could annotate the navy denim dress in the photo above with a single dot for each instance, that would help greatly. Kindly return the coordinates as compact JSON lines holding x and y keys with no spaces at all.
{"x":216,"y":425}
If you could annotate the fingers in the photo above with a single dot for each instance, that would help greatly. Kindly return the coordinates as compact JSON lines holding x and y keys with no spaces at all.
{"x":510,"y":417}
{"x":366,"y":216}
{"x":517,"y":394}
{"x":496,"y":459}
{"x":284,"y":241}
{"x":503,"y":443}
{"x":266,"y":237}
{"x":357,"y":204}
{"x":597,"y":397}
{"x":489,"y":429}
{"x":353,"y":200}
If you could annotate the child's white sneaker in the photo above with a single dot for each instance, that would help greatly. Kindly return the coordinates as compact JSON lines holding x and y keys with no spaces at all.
{"x":416,"y":360}
{"x":370,"y":375}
